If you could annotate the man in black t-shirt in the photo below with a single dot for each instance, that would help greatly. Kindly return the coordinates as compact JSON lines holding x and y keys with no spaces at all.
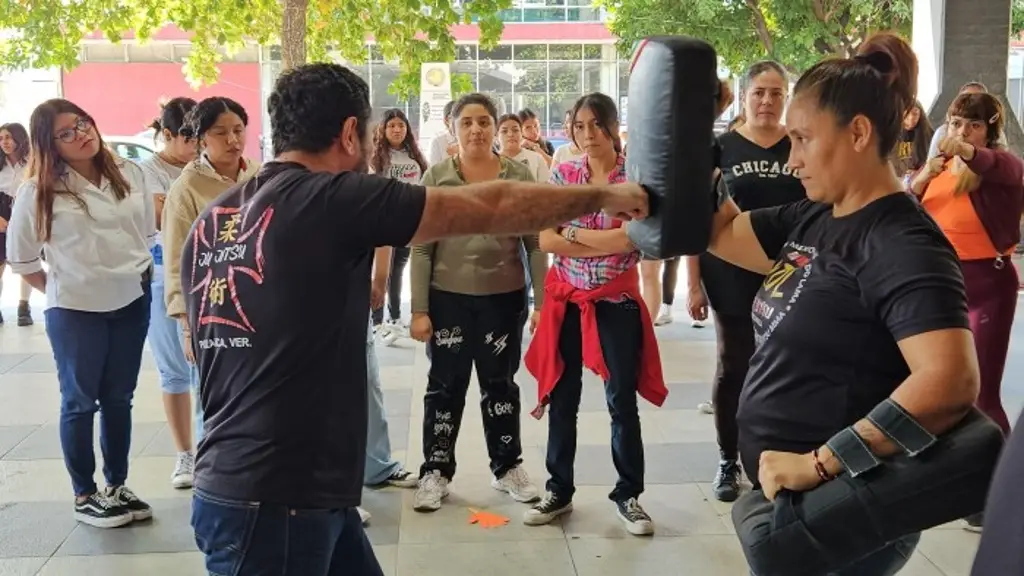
{"x":277,"y":277}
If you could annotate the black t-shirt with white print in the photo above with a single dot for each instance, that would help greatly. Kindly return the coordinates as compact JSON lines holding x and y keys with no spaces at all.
{"x":276,"y":273}
{"x":757,"y":177}
{"x":828,"y":317}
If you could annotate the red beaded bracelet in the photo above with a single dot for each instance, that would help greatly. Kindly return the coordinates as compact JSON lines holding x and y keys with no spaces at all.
{"x":820,"y":468}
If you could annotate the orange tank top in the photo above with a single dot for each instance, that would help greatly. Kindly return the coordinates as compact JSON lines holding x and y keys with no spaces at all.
{"x":956,"y":216}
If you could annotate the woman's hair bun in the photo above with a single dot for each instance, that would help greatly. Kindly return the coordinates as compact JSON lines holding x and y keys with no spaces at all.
{"x":879,"y":60}
{"x":893,"y":58}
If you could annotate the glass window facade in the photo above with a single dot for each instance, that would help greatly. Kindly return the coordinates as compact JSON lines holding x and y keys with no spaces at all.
{"x":546,"y":78}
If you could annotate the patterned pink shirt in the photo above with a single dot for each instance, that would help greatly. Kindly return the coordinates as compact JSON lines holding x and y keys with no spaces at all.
{"x":589,"y":273}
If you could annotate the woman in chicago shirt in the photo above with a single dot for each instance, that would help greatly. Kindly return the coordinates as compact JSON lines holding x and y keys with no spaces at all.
{"x":91,"y":214}
{"x":753,"y":163}
{"x":594,"y":314}
{"x":175,"y":380}
{"x":395,"y":155}
{"x":863,"y":299}
{"x":14,"y":150}
{"x":974,"y":191}
{"x":469,"y":306}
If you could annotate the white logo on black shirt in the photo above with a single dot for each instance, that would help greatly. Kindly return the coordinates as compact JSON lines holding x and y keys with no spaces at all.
{"x":762,"y":169}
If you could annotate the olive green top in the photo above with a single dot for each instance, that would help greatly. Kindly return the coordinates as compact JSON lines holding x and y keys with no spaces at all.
{"x":478,"y":265}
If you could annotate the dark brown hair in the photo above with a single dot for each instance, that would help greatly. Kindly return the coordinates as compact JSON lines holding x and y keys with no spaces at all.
{"x":509,"y":118}
{"x":880,"y":83}
{"x":758,"y":68}
{"x":920,"y":137}
{"x":50,"y":170}
{"x":21,"y":145}
{"x":984,"y":108}
{"x":380,"y":161}
{"x":603,"y":108}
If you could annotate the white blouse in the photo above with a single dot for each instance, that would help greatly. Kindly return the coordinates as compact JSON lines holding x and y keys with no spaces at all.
{"x":10,"y":177}
{"x":97,"y":258}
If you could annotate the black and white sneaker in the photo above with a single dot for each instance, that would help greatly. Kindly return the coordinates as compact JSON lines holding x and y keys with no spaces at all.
{"x":129,"y":501}
{"x":102,"y":512}
{"x":545,"y":511}
{"x":637,"y":522}
{"x":402,"y":478}
{"x":727,"y":481}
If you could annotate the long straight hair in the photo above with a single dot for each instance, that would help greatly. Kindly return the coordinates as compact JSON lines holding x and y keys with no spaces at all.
{"x":21,"y":146}
{"x":49,"y":169}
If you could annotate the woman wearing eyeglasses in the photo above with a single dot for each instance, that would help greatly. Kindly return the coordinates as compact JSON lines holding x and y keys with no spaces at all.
{"x":91,"y":214}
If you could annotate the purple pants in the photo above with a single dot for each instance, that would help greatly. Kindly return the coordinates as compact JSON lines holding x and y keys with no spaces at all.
{"x":992,"y":302}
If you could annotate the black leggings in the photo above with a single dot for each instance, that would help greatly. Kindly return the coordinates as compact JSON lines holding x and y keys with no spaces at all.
{"x":735,"y":335}
{"x":669,"y":276}
{"x":399,"y":258}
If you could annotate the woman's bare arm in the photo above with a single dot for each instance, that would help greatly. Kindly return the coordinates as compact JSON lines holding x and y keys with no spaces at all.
{"x":942,"y":386}
{"x":553,"y":243}
{"x":613,"y":241}
{"x":733,"y":239}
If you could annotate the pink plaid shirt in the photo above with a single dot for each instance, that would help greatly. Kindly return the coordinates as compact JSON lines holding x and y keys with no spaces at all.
{"x":589,"y":273}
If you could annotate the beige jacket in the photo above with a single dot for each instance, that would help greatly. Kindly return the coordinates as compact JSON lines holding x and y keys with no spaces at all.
{"x":198,"y":185}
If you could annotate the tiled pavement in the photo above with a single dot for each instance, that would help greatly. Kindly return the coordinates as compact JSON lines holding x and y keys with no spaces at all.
{"x":695,"y":536}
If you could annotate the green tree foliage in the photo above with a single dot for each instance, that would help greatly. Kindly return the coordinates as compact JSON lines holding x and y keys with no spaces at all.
{"x":796,"y":33}
{"x":45,"y":33}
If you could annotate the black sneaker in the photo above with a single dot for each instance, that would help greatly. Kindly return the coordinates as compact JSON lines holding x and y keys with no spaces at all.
{"x":126,"y":498}
{"x":102,"y":512}
{"x":975,"y":522}
{"x":545,"y":511}
{"x":637,"y":522}
{"x":727,"y":481}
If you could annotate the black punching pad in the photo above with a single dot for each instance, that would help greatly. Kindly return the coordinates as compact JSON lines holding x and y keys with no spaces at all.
{"x":673,"y":95}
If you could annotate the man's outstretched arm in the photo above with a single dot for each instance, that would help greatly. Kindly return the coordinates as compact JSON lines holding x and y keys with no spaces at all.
{"x":508,"y":207}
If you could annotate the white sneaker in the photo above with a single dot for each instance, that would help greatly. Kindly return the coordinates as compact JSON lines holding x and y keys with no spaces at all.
{"x":184,"y":471}
{"x":697,"y":324}
{"x":432,"y":490}
{"x":516,"y":483}
{"x":364,"y":516}
{"x":706,"y":407}
{"x":395,"y":329}
{"x":664,"y":316}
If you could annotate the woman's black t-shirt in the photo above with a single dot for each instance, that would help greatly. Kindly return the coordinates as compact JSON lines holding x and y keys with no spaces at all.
{"x":757,"y":177}
{"x":828,"y":317}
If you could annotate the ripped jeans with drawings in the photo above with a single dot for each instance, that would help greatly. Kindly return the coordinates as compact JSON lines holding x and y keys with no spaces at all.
{"x":485,"y":332}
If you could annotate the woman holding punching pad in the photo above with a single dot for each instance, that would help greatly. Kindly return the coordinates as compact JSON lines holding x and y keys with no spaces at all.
{"x":863,"y":300}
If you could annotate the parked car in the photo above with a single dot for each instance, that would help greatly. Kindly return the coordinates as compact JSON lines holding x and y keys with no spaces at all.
{"x":132,"y":147}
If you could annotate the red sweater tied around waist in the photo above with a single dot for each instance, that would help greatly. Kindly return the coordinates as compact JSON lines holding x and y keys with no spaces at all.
{"x":543,"y":359}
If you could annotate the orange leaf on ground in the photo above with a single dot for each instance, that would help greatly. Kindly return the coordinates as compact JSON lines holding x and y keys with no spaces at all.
{"x":486,"y":519}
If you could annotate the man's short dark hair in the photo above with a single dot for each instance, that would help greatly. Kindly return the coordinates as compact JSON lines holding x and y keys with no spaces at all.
{"x":310,"y":104}
{"x":448,"y":109}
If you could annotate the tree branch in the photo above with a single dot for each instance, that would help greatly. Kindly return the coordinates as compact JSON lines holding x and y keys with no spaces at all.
{"x":761,"y":26}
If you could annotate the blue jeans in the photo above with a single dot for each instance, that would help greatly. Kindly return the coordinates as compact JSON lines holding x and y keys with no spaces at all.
{"x":379,"y":464}
{"x":176,"y":375}
{"x":254,"y":539}
{"x":165,"y":342}
{"x":620,"y":332}
{"x":98,"y":356}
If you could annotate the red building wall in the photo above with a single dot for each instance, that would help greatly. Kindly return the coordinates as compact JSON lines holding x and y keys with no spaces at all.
{"x":124,"y":97}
